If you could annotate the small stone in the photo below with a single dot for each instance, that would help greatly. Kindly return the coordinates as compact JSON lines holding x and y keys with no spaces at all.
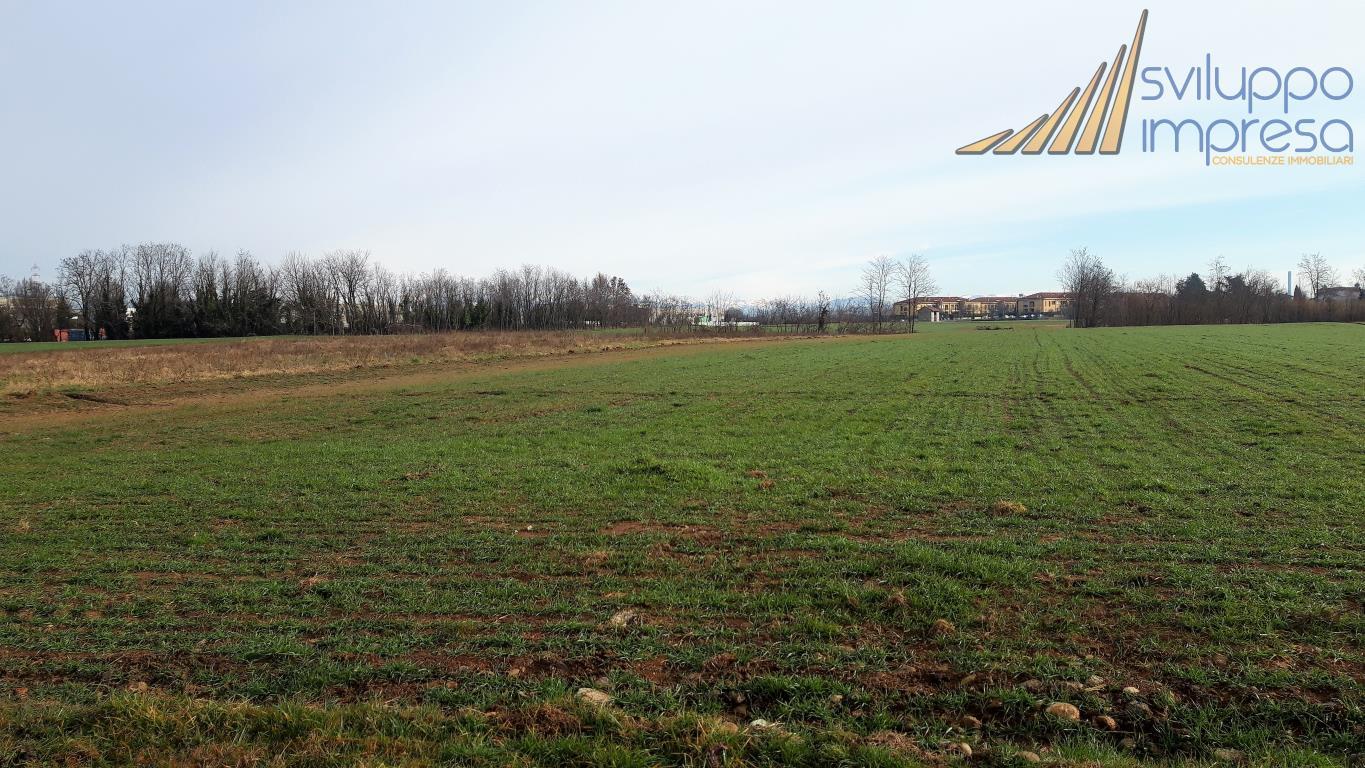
{"x":626,"y":618}
{"x":968,"y":680}
{"x":1094,"y":681}
{"x":595,"y":697}
{"x":1072,"y":685}
{"x":1028,"y":757}
{"x":1131,"y":691}
{"x":1033,"y":686}
{"x":943,"y":628}
{"x":963,"y":748}
{"x":836,"y":699}
{"x":1106,"y":722}
{"x":761,"y":723}
{"x":1064,"y":711}
{"x":1228,"y":756}
{"x":968,"y":721}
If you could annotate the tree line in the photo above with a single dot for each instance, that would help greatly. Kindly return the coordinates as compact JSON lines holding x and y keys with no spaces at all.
{"x":1099,"y":297}
{"x":161,"y":290}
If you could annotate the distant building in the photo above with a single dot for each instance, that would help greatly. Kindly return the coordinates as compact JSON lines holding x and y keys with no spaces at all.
{"x":991,"y":306}
{"x":1048,"y":303}
{"x":1045,"y":303}
{"x":1341,"y":293}
{"x":928,"y":315}
{"x":709,"y":321}
{"x":947,"y":306}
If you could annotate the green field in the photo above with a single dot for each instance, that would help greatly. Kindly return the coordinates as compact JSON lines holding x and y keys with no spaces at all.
{"x":878,"y":547}
{"x":54,"y":346}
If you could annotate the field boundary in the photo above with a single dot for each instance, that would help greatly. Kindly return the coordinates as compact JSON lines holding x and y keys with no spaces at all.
{"x":57,"y":408}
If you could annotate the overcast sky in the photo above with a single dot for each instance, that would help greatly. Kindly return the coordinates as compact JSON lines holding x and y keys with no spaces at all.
{"x":765,"y":147}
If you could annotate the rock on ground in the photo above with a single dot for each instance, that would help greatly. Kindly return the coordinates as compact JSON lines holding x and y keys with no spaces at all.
{"x":1064,"y":711}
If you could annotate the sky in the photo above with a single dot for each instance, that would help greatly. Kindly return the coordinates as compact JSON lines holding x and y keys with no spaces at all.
{"x":762,"y":148}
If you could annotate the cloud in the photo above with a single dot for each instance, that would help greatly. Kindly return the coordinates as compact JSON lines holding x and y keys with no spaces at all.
{"x":768,"y":146}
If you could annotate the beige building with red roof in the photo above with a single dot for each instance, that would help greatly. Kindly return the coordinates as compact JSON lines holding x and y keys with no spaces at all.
{"x":947,"y":305}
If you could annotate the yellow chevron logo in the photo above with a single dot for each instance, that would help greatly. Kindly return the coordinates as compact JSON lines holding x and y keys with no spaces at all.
{"x":1117,"y":88}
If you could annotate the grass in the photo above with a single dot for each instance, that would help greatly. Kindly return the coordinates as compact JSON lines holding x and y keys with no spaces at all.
{"x":882,"y":547}
{"x":36,"y":368}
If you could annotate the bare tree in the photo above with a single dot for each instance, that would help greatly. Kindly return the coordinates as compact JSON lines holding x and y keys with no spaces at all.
{"x":913,"y":278}
{"x":1359,"y":276}
{"x":1146,"y":302}
{"x":9,"y":324}
{"x":667,"y":310}
{"x":1090,"y":283}
{"x":876,"y":286}
{"x":36,"y":309}
{"x":1314,"y":270}
{"x":1217,"y":282}
{"x":348,"y":270}
{"x":78,"y":276}
{"x":1218,"y":274}
{"x":95,"y":282}
{"x":306,"y":294}
{"x":718,"y":303}
{"x":1250,"y":296}
{"x":162,"y":289}
{"x":378,"y":302}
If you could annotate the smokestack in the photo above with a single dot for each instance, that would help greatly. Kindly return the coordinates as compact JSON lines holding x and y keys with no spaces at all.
{"x":1289,"y":282}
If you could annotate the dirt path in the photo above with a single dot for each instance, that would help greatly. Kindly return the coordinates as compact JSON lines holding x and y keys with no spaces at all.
{"x":62,"y":410}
